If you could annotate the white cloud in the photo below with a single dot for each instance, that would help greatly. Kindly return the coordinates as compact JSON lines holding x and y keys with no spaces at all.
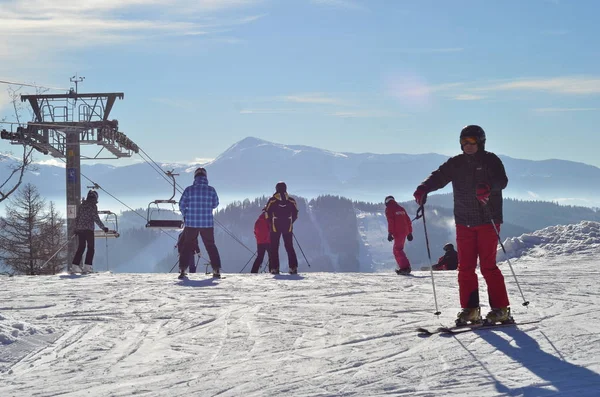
{"x":550,"y":110}
{"x":270,"y":111}
{"x":52,"y":162}
{"x":64,"y":24}
{"x":353,"y":5}
{"x":468,"y":97}
{"x":429,"y":50}
{"x":314,"y":98}
{"x":560,"y":85}
{"x":364,"y":114}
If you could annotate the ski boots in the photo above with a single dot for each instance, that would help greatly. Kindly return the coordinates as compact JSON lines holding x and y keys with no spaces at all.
{"x":87,"y":269}
{"x":216,"y":273}
{"x":182,"y":275}
{"x":469,"y":315}
{"x":406,"y":270}
{"x":500,"y":315}
{"x":293,"y":270}
{"x":274,"y":271}
{"x":75,"y":269}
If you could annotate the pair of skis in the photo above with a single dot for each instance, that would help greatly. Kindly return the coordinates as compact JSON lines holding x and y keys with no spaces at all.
{"x":459,"y":329}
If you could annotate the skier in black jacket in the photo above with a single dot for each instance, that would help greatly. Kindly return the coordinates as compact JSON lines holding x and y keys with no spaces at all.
{"x":477,"y":177}
{"x":282,"y":212}
{"x":87,"y":215}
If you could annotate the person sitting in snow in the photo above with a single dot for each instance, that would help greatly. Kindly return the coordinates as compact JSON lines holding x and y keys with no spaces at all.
{"x":449,"y":261}
{"x":263,"y":240}
{"x":399,"y":230}
{"x":87,"y":215}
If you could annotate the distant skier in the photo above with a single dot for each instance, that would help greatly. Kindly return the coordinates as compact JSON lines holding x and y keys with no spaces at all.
{"x":87,"y":215}
{"x":181,"y":247}
{"x":449,"y":261}
{"x":478,"y":178}
{"x":263,"y":240}
{"x":282,"y":212}
{"x":196,"y":205}
{"x":399,"y":230}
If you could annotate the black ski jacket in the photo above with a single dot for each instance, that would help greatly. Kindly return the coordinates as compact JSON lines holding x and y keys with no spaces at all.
{"x":465,"y":172}
{"x":282,"y":212}
{"x":450,"y":260}
{"x":87,"y":215}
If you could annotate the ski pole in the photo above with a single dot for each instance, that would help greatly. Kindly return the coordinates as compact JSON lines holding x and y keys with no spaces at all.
{"x":241,"y":271}
{"x":176,"y":263}
{"x":421,"y":214}
{"x":60,"y":249}
{"x":301,"y":249}
{"x":264,"y":270}
{"x":525,"y":302}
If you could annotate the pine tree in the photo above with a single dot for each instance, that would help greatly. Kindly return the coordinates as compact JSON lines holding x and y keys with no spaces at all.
{"x":24,"y":241}
{"x":53,"y":238}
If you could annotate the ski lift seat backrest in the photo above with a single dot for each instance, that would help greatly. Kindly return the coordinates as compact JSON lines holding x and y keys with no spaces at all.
{"x":111,"y":218}
{"x":163,"y":223}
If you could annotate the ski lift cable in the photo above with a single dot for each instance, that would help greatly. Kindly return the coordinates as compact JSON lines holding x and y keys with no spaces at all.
{"x":32,"y":85}
{"x":115,"y":198}
{"x":180,"y":190}
{"x":155,"y":167}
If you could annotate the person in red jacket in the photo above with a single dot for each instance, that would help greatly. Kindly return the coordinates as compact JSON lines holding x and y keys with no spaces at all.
{"x":263,"y":240}
{"x":399,"y":230}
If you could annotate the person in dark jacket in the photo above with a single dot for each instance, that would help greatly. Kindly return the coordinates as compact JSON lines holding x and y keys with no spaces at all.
{"x":87,"y":215}
{"x":196,"y":205}
{"x":282,"y":212}
{"x":478,"y":178}
{"x":449,"y":261}
{"x":263,"y":240}
{"x":399,"y":230}
{"x":183,"y":255}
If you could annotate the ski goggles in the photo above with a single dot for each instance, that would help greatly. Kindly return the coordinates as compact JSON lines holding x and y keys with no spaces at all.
{"x":468,"y":140}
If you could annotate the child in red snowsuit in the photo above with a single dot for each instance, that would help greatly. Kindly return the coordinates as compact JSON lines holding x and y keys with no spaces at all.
{"x":399,"y":230}
{"x":263,"y":240}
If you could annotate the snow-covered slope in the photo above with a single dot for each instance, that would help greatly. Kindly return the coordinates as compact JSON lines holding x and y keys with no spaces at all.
{"x":318,"y":334}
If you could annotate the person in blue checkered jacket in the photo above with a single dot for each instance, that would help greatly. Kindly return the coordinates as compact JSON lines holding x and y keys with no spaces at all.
{"x":196,"y":205}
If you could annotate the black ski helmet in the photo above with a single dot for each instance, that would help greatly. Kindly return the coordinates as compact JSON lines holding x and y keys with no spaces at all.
{"x":388,"y":199}
{"x":200,"y":171}
{"x":448,"y":247}
{"x":92,"y":196}
{"x":281,"y":187}
{"x":474,"y":131}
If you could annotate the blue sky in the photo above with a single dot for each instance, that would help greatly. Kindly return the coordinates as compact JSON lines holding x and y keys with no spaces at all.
{"x":387,"y":76}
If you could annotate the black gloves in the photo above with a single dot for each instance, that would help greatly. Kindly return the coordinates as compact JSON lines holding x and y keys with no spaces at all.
{"x":105,"y":229}
{"x":409,"y":237}
{"x":390,"y":237}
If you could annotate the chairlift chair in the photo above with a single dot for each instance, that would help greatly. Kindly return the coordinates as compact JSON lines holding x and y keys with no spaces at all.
{"x":112,"y":218}
{"x":162,"y":222}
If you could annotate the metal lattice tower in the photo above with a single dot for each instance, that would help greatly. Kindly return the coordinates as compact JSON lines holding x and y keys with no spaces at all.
{"x":64,"y":122}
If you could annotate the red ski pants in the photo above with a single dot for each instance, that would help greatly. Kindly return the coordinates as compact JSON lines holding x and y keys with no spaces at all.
{"x":399,"y":254}
{"x":473,"y":242}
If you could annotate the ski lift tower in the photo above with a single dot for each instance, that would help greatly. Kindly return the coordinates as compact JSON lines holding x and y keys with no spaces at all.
{"x":61,"y":124}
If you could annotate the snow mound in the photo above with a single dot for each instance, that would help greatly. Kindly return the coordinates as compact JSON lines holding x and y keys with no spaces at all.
{"x":580,"y":238}
{"x":11,"y":330}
